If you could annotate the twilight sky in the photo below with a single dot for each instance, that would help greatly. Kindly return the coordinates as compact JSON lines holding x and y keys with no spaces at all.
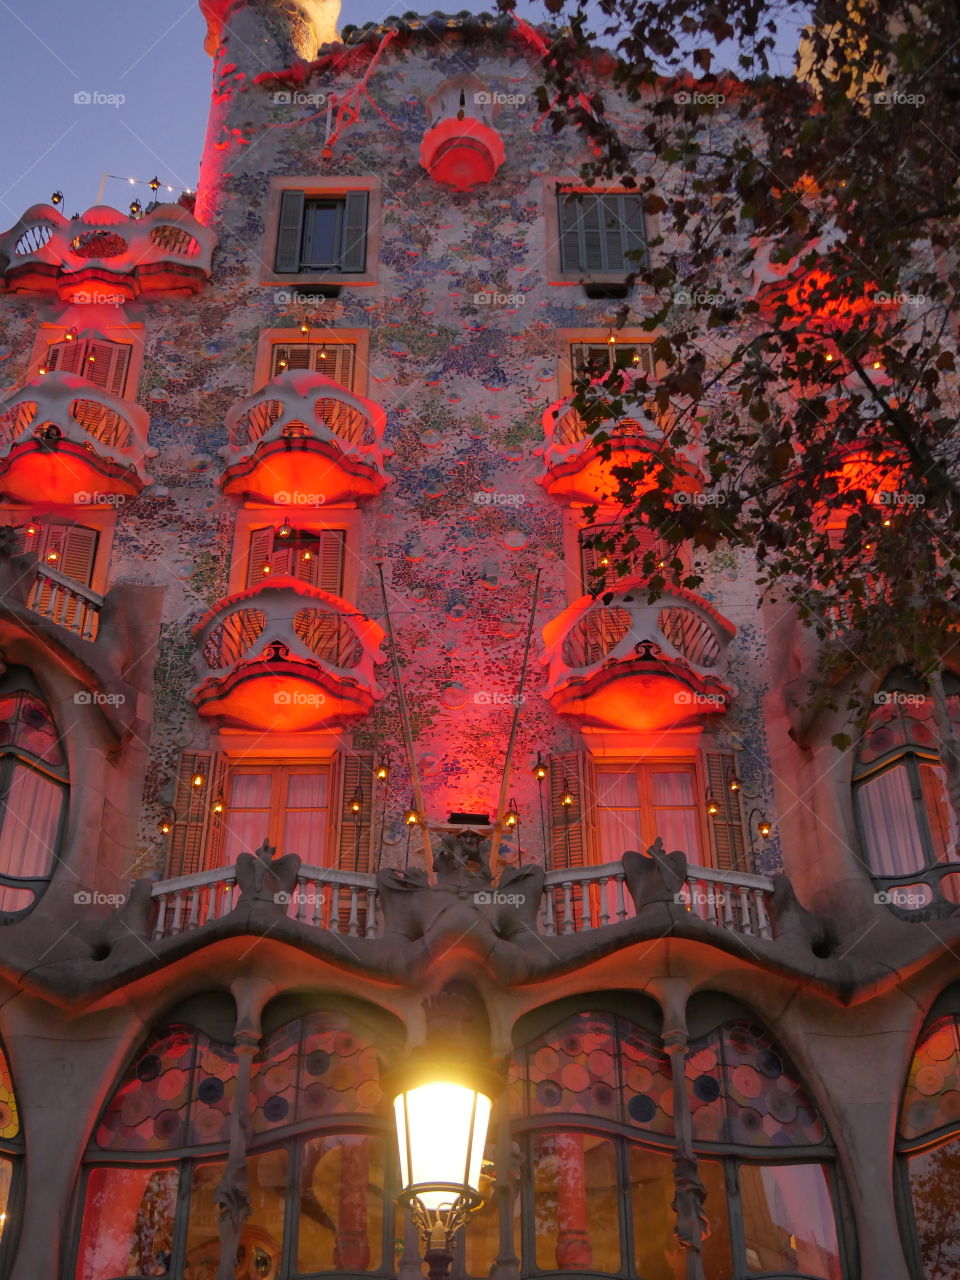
{"x":150,"y":56}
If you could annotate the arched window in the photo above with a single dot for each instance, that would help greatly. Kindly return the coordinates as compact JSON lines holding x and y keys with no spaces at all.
{"x":593,"y":1099}
{"x":907,"y":824}
{"x":33,"y":791}
{"x":11,"y":1152}
{"x":929,"y":1145}
{"x":321,"y":1140}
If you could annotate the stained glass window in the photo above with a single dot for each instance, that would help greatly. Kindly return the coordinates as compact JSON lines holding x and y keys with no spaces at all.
{"x":11,"y":1149}
{"x":33,"y":778}
{"x":744,"y":1092}
{"x":903,"y":807}
{"x":931,"y":1112}
{"x":593,"y":1102}
{"x":317,"y":1162}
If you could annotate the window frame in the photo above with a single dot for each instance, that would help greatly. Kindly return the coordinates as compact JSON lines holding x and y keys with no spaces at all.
{"x":319,"y":188}
{"x":644,"y":764}
{"x":557,"y":274}
{"x":274,"y":337}
{"x":281,"y":769}
{"x":129,"y":335}
{"x":101,"y":518}
{"x":313,"y":519}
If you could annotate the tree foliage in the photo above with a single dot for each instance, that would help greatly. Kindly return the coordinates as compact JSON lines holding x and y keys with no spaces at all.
{"x":803,"y":289}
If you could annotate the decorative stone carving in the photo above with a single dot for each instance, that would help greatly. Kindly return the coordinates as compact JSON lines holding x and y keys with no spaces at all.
{"x":265,"y":879}
{"x":791,"y":920}
{"x":654,"y":876}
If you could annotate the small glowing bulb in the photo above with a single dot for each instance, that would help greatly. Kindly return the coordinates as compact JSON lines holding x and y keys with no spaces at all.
{"x":306,"y":555}
{"x":712,"y":807}
{"x":198,"y":779}
{"x":734,"y":784}
{"x":42,"y":370}
{"x":265,"y":569}
{"x":382,"y":772}
{"x":887,"y":523}
{"x":285,"y":530}
{"x":829,"y":358}
{"x":164,"y":828}
{"x":877,"y":364}
{"x":32,"y":529}
{"x":510,"y":818}
{"x":281,"y":364}
{"x":356,"y":802}
{"x":764,"y":827}
{"x":411,"y":817}
{"x":218,"y":805}
{"x":131,"y":181}
{"x":305,"y":329}
{"x":70,"y":335}
{"x":604,"y":562}
{"x":566,"y":795}
{"x":53,"y":555}
{"x":91,"y":359}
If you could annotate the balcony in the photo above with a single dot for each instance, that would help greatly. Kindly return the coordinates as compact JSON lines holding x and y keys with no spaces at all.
{"x":286,"y":656}
{"x":325,"y":898}
{"x":108,"y":257}
{"x":304,"y":440}
{"x":69,"y":604}
{"x":64,"y":440}
{"x":620,"y":662}
{"x":575,"y":900}
{"x":575,"y":468}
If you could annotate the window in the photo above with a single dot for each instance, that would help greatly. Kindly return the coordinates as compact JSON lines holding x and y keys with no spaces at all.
{"x":288,"y":804}
{"x":638,"y":803}
{"x":929,"y":1146}
{"x":337,"y":360}
{"x":592,"y":1106}
{"x":96,"y":360}
{"x":325,"y":234}
{"x":315,"y":556}
{"x":598,"y":567}
{"x":319,"y":1156}
{"x":907,"y":823}
{"x":601,"y":234}
{"x":596,"y":359}
{"x":33,"y":791}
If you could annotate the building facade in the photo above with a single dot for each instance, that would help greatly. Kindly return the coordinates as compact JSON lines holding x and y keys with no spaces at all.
{"x":329,"y":732}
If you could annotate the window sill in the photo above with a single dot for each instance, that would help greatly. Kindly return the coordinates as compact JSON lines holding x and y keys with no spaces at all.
{"x":327,"y":284}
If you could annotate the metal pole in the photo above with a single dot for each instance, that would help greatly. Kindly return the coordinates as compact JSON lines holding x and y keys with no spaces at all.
{"x":508,"y":762}
{"x":405,"y":722}
{"x":101,"y":188}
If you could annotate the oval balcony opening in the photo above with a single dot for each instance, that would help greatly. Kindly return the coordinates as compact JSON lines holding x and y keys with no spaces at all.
{"x":305,"y":440}
{"x":288,"y":657}
{"x":622,"y":662}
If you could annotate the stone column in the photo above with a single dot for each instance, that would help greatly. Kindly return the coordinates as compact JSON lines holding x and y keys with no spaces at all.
{"x":692,"y":1225}
{"x":507,"y":1264}
{"x":251,"y":994}
{"x":573,"y":1238}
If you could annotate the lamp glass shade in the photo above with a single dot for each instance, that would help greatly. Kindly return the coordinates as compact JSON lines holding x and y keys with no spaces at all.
{"x":442,"y":1130}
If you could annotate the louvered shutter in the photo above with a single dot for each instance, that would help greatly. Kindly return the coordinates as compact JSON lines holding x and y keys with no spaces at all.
{"x":727,"y":837}
{"x":355,"y":837}
{"x":633,"y":231}
{"x":260,"y":553}
{"x":76,"y":546}
{"x":66,"y":357}
{"x":569,"y":211}
{"x":108,"y":369}
{"x":78,"y":552}
{"x":329,"y":556}
{"x":339,"y":364}
{"x":590,"y":556}
{"x":196,"y":841}
{"x":568,"y":833}
{"x":592,"y":233}
{"x":353,"y":255}
{"x":289,"y":232}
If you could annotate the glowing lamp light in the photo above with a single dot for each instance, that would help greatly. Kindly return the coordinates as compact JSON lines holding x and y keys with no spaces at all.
{"x":136,"y":208}
{"x":322,"y":353}
{"x":712,"y":807}
{"x":305,"y":329}
{"x":411,"y":817}
{"x":42,"y":370}
{"x":764,"y":827}
{"x":53,"y":555}
{"x":734,"y":784}
{"x":265,"y":569}
{"x":33,"y":528}
{"x":356,"y":801}
{"x":57,"y":199}
{"x":566,"y":795}
{"x":164,"y":827}
{"x":442,"y":1112}
{"x":539,"y":770}
{"x":512,"y":817}
{"x":198,"y":780}
{"x":285,"y":530}
{"x":306,"y":555}
{"x":154,"y":185}
{"x":217,"y":805}
{"x":70,"y":335}
{"x":382,"y":771}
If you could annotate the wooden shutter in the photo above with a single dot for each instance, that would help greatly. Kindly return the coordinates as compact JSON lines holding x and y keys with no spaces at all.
{"x":353,"y":254}
{"x":569,"y":214}
{"x":726,"y":829}
{"x":568,"y":825}
{"x":591,"y":232}
{"x":78,"y":550}
{"x":66,"y":357}
{"x":355,"y":839}
{"x":196,"y":841}
{"x":108,"y":369}
{"x":590,"y":556}
{"x":338,"y":363}
{"x":329,"y":557}
{"x":324,"y":568}
{"x":633,"y":230}
{"x":289,"y":232}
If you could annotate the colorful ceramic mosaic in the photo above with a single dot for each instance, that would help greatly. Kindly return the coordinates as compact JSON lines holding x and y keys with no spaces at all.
{"x":931,"y":1100}
{"x":325,"y":1064}
{"x":9,"y":1114}
{"x":744,"y":1091}
{"x":595,"y":1064}
{"x":177,"y":1092}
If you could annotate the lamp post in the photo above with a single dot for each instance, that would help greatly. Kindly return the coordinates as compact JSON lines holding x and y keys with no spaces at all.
{"x":442,"y":1110}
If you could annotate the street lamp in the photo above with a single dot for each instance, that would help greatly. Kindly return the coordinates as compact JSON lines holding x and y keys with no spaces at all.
{"x":442,"y":1111}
